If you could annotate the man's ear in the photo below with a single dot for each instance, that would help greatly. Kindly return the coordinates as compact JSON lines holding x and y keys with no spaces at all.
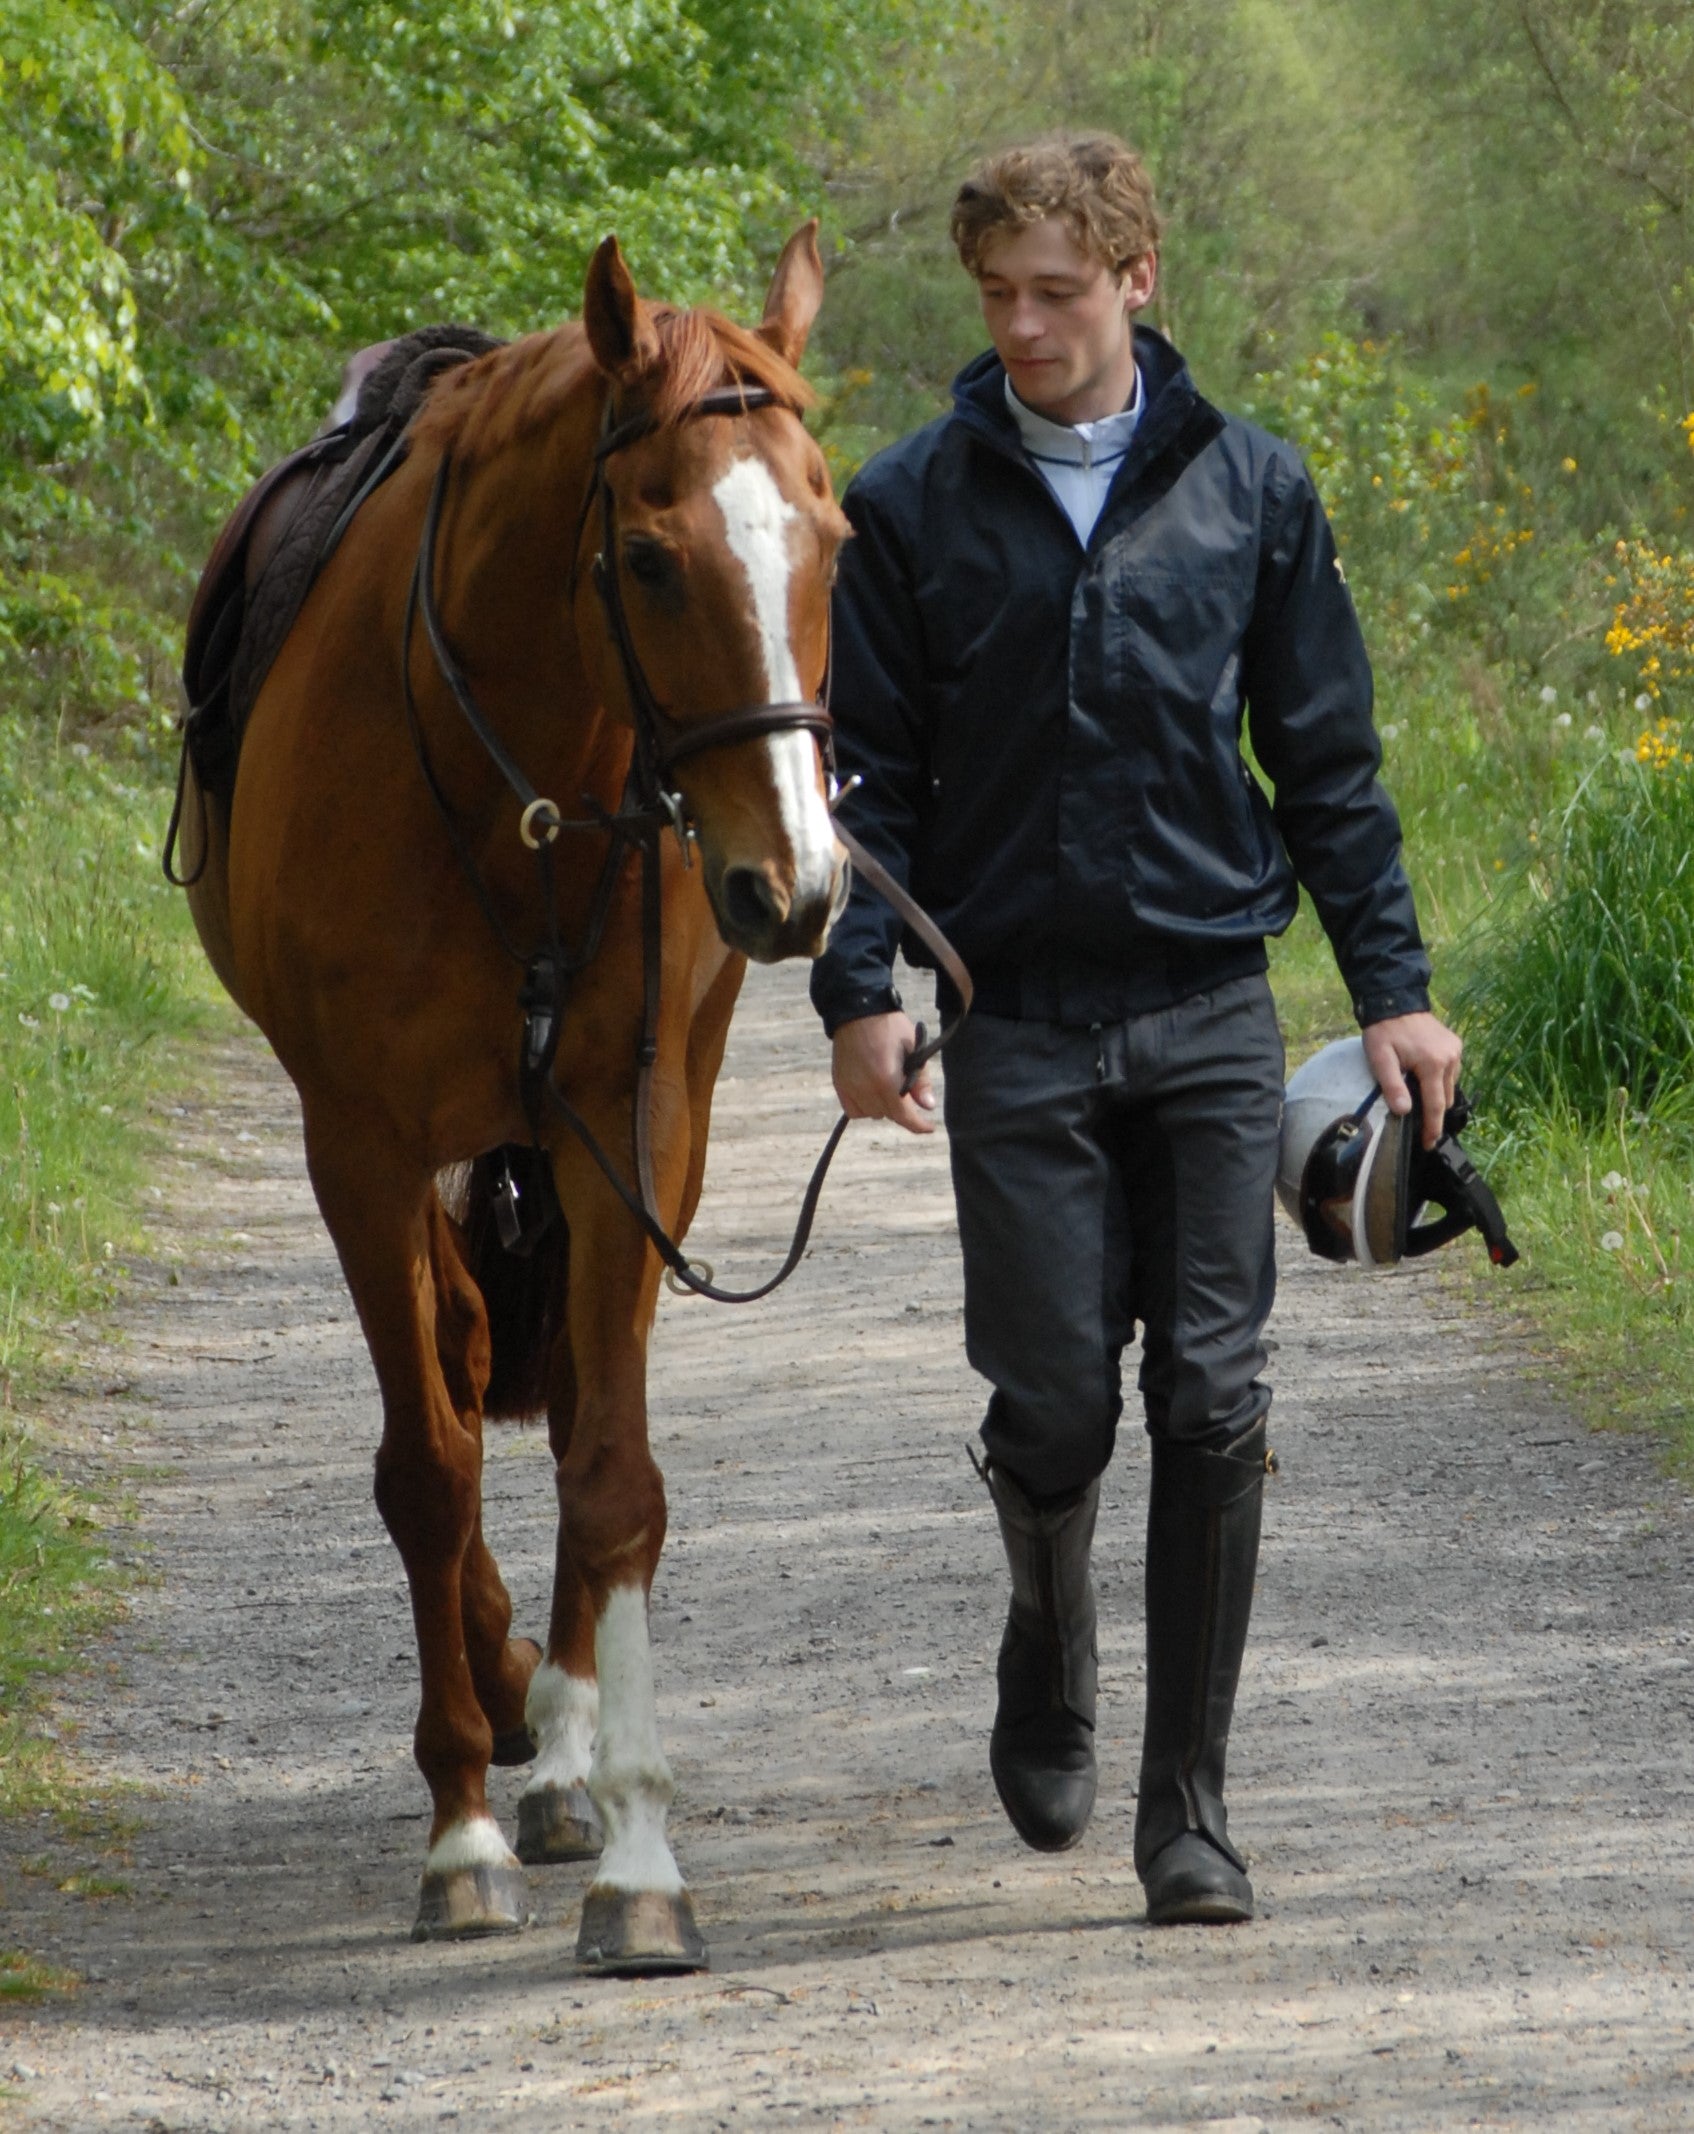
{"x":620,"y":327}
{"x":1140,"y":279}
{"x":795,"y":293}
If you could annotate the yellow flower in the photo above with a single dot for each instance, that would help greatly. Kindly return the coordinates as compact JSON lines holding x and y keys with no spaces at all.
{"x":1569,"y":465}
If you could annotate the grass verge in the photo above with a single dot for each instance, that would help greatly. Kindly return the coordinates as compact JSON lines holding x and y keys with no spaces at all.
{"x":1601,"y":1215}
{"x":1601,"y":1210}
{"x":97,"y":966}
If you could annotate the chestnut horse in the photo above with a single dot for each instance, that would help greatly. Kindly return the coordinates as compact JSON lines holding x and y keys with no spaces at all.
{"x":354,"y":900}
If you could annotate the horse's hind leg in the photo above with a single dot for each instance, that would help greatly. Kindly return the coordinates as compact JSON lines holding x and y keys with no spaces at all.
{"x":427,"y":1490}
{"x":500,"y":1665}
{"x":557,"y":1819}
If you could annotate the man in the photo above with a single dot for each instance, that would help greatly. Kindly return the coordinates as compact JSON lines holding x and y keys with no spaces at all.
{"x":1062,"y":600}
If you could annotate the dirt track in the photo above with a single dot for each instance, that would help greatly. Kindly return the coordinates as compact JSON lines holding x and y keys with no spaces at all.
{"x":1461,"y":1765}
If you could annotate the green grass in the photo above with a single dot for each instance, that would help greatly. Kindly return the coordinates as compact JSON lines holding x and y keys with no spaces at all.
{"x":1558,"y":898}
{"x":1580,"y":984}
{"x":1604,"y":1216}
{"x":97,"y":972}
{"x":25,"y":1978}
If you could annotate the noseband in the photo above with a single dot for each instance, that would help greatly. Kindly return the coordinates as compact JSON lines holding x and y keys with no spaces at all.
{"x":651,"y":804}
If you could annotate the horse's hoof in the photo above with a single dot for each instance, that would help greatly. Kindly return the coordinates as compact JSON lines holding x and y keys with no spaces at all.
{"x":517,"y":1746}
{"x":557,"y":1823}
{"x":468,"y":1901}
{"x":633,"y":1933}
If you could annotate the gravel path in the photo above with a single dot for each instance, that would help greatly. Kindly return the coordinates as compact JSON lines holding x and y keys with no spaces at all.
{"x":1461,"y":1763}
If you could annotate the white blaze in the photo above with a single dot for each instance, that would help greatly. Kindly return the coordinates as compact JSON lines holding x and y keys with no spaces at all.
{"x":758,"y":520}
{"x":631,"y":1781}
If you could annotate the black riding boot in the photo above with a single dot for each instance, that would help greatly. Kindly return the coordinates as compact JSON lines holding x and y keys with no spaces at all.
{"x":1202,"y":1550}
{"x":1041,"y":1751}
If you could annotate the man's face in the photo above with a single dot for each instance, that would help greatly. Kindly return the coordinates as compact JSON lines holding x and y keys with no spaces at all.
{"x":1061,"y":321}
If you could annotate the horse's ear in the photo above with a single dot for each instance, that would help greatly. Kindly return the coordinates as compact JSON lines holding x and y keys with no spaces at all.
{"x":796,"y":291}
{"x":620,"y":327}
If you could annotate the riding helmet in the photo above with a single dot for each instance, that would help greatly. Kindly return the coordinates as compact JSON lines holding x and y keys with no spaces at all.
{"x":1357,"y":1178}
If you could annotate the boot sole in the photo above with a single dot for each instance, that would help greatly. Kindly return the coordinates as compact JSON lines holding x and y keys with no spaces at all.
{"x":1200,"y":1911}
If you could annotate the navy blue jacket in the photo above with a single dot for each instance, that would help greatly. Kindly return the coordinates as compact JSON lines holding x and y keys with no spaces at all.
{"x":1049,"y":735}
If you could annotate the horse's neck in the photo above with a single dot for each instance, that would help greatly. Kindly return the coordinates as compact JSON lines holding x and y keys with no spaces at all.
{"x":506,"y":582}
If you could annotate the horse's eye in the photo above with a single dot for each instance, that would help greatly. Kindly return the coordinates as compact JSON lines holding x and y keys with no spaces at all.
{"x":650,"y":564}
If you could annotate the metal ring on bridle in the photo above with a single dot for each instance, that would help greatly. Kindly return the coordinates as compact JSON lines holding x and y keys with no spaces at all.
{"x":703,"y":1268}
{"x":539,"y":823}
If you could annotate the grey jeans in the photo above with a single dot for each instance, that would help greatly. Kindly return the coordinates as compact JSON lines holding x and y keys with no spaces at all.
{"x":1110,"y":1176}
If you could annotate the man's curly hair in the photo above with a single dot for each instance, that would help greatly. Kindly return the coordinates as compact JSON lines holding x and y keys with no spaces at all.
{"x":1093,"y":181}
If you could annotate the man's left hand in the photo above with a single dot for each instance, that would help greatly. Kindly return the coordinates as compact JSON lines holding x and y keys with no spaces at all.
{"x":1415,"y":1044}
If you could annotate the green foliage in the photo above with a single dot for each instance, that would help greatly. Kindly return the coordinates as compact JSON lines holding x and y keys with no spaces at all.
{"x":1580,"y":991}
{"x":204,"y":210}
{"x":88,"y":125}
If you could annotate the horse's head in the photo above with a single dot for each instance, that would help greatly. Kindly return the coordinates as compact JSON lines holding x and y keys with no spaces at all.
{"x":713,"y":543}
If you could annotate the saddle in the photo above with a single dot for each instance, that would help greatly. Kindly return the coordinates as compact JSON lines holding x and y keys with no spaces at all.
{"x":282,"y":533}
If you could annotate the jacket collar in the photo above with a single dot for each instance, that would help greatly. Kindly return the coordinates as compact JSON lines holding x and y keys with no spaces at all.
{"x":1170,"y":401}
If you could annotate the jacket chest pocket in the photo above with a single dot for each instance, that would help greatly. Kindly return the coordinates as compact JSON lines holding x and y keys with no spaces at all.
{"x":1170,"y":706}
{"x":1171,"y":634}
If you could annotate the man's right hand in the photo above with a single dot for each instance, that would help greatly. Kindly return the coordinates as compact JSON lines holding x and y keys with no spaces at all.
{"x":870,"y":1065}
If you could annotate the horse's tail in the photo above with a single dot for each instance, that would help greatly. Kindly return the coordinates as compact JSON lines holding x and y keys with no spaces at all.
{"x":524,"y":1294}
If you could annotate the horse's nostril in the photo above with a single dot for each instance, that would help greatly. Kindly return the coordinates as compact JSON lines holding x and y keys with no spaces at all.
{"x":750,"y":905}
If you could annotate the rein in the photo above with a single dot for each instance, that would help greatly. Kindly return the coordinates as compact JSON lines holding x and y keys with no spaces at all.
{"x":651,"y":804}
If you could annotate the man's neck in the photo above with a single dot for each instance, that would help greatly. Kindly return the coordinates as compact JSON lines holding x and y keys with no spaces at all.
{"x":1130,"y":405}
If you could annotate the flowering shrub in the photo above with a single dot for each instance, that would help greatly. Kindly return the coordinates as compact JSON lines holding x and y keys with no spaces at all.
{"x":1653,"y":624}
{"x":1390,"y":470}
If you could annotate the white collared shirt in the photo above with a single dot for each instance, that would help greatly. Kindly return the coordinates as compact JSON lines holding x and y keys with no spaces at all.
{"x":1077,"y":460}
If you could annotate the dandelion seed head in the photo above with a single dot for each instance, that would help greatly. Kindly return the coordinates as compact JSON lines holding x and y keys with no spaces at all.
{"x":1612,"y":1180}
{"x":1611,"y":1241}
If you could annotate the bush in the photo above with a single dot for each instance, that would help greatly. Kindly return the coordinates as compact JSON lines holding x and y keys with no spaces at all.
{"x":1582,"y":985}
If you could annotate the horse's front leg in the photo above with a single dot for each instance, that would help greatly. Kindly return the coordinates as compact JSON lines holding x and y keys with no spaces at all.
{"x":637,"y":1916}
{"x":557,"y":1819}
{"x":428,"y":1490}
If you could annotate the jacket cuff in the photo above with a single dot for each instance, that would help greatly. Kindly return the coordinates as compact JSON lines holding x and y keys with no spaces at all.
{"x":1379,"y":1007}
{"x":855,"y":1006}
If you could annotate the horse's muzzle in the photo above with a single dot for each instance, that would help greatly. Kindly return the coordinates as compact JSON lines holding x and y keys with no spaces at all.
{"x":759,"y":915}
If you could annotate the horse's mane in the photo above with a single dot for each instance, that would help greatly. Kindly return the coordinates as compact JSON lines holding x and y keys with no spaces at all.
{"x":505,"y":397}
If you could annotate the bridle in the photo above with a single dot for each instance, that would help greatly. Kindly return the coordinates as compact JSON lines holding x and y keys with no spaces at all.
{"x":660,"y":743}
{"x":651,"y":804}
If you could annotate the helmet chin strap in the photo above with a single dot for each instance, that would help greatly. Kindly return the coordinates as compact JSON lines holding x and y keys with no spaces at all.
{"x":1446,"y":1176}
